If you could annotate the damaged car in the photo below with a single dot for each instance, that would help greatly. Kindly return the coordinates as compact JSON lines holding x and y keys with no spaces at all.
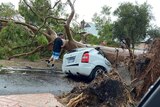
{"x":85,"y":62}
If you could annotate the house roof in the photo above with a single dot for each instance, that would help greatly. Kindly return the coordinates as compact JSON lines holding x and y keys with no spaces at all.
{"x":91,"y":28}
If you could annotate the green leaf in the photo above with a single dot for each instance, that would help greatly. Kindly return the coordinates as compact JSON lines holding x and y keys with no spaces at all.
{"x":42,"y":40}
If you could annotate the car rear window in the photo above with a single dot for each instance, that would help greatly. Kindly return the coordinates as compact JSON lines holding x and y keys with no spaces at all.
{"x":71,"y":51}
{"x":76,"y":50}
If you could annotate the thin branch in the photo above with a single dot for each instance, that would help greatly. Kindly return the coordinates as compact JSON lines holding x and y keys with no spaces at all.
{"x":54,"y":5}
{"x":45,"y":19}
{"x":74,"y":31}
{"x":32,"y":9}
{"x":74,"y":2}
{"x":48,"y":17}
{"x":24,"y":46}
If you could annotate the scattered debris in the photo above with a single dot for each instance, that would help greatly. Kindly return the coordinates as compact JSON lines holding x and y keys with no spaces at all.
{"x":103,"y":91}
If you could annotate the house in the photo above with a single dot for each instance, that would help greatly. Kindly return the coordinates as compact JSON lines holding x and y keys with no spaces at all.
{"x":88,"y":27}
{"x":91,"y":28}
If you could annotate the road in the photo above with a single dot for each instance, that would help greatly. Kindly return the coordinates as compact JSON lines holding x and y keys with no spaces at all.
{"x":28,"y":83}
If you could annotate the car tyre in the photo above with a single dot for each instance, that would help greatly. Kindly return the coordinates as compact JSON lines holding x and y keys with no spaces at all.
{"x":94,"y":72}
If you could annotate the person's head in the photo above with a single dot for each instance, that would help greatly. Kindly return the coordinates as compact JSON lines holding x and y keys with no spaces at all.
{"x":60,"y":35}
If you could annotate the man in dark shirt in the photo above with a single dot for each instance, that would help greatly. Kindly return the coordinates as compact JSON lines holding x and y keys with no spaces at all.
{"x":57,"y":45}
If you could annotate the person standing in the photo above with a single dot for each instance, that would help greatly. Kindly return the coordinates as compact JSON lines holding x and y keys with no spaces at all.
{"x":57,"y":45}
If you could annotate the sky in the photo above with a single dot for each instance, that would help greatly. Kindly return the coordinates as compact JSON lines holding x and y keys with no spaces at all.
{"x":86,"y":8}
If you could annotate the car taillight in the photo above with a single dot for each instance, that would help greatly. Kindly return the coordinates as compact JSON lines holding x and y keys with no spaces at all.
{"x":85,"y":57}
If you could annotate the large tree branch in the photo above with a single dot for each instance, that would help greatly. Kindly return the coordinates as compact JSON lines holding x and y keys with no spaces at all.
{"x":67,"y":25}
{"x":72,"y":13}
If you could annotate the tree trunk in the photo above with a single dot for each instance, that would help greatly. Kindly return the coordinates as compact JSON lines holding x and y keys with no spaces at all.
{"x":110,"y":52}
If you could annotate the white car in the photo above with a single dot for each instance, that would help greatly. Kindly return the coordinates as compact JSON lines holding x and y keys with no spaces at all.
{"x":85,"y":61}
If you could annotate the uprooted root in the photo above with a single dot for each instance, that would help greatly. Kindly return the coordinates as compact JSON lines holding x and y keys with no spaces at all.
{"x":74,"y":101}
{"x":148,"y":69}
{"x":104,"y":91}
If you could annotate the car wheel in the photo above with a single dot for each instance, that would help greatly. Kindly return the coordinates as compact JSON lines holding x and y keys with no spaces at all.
{"x":95,"y":72}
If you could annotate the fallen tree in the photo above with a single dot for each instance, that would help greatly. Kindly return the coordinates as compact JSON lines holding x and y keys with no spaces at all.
{"x":50,"y":34}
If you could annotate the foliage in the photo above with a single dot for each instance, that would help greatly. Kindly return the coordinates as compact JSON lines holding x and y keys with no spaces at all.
{"x":13,"y":36}
{"x":41,"y":9}
{"x":2,"y":52}
{"x":153,"y":32}
{"x":76,"y":31}
{"x":7,"y":10}
{"x":42,"y":40}
{"x":77,"y":37}
{"x":103,"y":24}
{"x":93,"y":40}
{"x":19,"y":39}
{"x":133,"y":21}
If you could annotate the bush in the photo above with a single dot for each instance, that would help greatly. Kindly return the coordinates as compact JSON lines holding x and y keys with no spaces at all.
{"x":42,"y":40}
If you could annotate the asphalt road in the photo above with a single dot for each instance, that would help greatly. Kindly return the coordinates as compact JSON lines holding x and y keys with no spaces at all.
{"x":27,"y":83}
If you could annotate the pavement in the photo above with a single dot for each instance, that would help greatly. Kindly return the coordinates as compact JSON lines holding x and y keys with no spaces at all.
{"x":30,"y":100}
